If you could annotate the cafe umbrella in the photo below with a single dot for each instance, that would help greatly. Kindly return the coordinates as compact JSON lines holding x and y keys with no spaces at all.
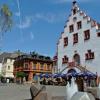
{"x":86,"y":73}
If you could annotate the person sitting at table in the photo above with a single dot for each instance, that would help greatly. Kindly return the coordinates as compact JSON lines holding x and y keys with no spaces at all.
{"x":44,"y":81}
{"x":64,"y":82}
{"x":50,"y":82}
{"x":55,"y":81}
{"x":58,"y":80}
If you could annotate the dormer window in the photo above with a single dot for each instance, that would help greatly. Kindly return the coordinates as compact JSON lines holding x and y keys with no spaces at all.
{"x":87,"y":35}
{"x":71,"y":28}
{"x":75,"y":38}
{"x":74,"y":11}
{"x":79,"y":25}
{"x":65,"y":41}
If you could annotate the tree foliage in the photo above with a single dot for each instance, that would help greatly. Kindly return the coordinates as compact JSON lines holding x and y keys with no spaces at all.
{"x":5,"y":18}
{"x":20,"y":74}
{"x":0,"y":75}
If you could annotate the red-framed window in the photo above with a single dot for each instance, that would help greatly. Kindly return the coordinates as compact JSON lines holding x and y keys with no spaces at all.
{"x":89,"y":55}
{"x":71,"y":28}
{"x":87,"y":35}
{"x":65,"y":60}
{"x":75,"y":38}
{"x":65,"y":41}
{"x":98,"y":34}
{"x":79,"y":25}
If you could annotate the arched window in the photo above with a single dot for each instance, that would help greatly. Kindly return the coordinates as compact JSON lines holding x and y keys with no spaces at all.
{"x":76,"y":58}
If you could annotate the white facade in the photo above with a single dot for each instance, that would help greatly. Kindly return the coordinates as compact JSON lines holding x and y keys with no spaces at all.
{"x":82,"y":46}
{"x":7,"y":68}
{"x":0,"y":68}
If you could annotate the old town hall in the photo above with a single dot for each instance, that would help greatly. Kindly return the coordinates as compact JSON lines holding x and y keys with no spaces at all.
{"x":78,"y":47}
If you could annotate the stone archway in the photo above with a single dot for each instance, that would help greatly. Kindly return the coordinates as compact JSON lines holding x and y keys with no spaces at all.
{"x":76,"y":59}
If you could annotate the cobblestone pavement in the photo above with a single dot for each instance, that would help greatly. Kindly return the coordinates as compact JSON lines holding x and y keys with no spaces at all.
{"x":14,"y":92}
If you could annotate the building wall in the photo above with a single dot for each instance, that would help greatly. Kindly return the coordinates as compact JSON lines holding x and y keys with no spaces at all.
{"x":82,"y":46}
{"x":32,"y":68}
{"x":8,"y":68}
{"x":38,"y":66}
{"x":0,"y":68}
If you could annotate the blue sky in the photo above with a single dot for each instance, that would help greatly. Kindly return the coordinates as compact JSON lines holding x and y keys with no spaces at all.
{"x":39,"y":23}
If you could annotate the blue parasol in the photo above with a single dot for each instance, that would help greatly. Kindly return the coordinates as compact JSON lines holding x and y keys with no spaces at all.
{"x":64,"y":75}
{"x":74,"y":74}
{"x":86,"y":73}
{"x":56,"y":75}
{"x":46,"y":75}
{"x":41,"y":75}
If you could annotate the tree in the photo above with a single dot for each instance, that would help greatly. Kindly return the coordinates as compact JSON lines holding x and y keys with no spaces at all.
{"x":5,"y":19}
{"x":20,"y":75}
{"x":1,"y":77}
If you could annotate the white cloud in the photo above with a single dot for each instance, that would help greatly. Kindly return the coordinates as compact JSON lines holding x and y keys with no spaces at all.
{"x":48,"y":17}
{"x":17,"y":14}
{"x":25,"y":23}
{"x":31,"y":35}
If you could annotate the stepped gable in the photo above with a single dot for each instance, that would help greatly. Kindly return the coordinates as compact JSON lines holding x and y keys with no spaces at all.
{"x":77,"y":11}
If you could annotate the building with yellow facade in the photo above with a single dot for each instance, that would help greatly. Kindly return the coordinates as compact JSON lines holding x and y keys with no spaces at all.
{"x":32,"y":65}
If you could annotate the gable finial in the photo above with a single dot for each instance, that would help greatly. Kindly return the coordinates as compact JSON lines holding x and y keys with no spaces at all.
{"x":74,"y":2}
